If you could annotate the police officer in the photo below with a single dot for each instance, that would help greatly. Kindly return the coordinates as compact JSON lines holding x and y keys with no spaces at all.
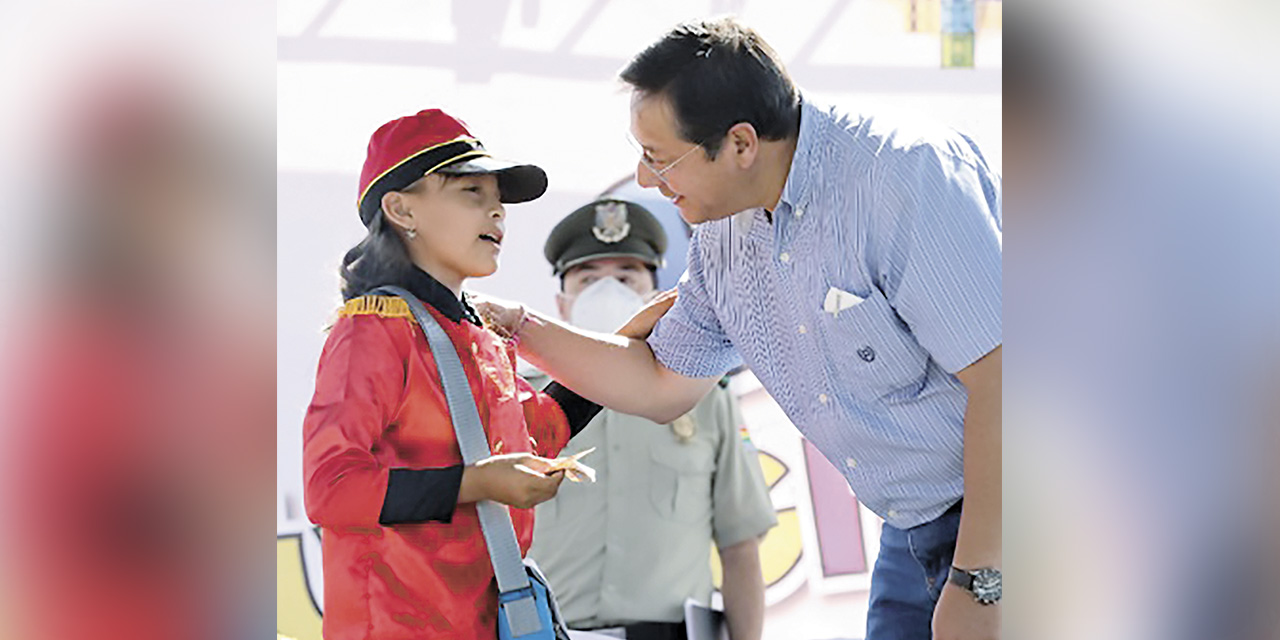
{"x":622,"y":555}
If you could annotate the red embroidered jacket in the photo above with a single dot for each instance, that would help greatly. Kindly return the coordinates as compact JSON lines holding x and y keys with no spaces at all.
{"x":379,"y":405}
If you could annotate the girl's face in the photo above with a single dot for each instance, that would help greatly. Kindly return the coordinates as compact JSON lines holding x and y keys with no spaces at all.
{"x":459,"y":222}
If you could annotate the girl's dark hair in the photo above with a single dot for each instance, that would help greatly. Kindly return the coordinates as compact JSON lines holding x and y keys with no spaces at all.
{"x":379,"y":259}
{"x":716,"y":74}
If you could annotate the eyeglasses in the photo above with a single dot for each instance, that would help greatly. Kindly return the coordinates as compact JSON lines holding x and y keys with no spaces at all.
{"x":652,"y":165}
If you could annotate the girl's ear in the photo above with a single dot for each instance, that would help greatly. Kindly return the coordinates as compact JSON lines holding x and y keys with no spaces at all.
{"x":396,"y":210}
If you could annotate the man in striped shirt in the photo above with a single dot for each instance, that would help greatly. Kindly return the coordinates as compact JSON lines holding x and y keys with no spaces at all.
{"x":854,"y":263}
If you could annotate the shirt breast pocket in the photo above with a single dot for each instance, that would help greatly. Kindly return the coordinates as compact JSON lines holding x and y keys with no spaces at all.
{"x":680,"y":478}
{"x":870,"y":348}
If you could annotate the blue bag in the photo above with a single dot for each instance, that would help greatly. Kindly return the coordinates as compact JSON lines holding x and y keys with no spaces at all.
{"x":553,"y":627}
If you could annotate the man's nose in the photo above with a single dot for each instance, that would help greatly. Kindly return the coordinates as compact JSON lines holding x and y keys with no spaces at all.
{"x":645,"y":177}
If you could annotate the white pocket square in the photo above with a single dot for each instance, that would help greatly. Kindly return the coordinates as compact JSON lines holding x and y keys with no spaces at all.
{"x":838,"y":301}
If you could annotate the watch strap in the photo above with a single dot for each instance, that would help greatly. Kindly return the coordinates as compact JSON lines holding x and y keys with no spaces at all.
{"x":961,"y":578}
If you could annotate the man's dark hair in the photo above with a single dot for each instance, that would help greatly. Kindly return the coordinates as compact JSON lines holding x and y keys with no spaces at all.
{"x":716,"y":74}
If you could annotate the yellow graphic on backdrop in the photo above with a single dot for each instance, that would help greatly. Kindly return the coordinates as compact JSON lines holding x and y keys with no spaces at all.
{"x":296,"y":613}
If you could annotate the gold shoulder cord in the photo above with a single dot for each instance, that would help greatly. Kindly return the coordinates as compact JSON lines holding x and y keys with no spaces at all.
{"x":384,"y":306}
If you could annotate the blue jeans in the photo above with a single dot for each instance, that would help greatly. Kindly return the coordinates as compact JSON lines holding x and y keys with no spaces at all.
{"x":908,"y":577}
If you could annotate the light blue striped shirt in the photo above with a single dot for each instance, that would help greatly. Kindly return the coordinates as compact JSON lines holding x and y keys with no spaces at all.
{"x":906,"y":218}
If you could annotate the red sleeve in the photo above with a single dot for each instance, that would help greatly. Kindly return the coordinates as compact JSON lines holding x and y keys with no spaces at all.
{"x":359,"y":386}
{"x":548,"y":426}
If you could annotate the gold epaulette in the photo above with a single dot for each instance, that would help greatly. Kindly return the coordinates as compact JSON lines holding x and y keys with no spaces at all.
{"x":385,"y":306}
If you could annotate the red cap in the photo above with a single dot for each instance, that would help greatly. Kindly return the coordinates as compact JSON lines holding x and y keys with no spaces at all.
{"x":432,"y":141}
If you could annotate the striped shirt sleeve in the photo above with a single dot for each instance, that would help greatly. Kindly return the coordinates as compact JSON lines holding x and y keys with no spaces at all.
{"x":689,"y":339}
{"x":940,"y":262}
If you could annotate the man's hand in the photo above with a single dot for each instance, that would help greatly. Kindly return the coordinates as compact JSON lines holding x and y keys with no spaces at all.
{"x":641,"y":324}
{"x":519,"y":480}
{"x":503,"y":317}
{"x":958,"y":616}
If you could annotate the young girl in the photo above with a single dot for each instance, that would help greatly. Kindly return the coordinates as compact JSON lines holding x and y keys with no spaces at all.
{"x":404,"y":556}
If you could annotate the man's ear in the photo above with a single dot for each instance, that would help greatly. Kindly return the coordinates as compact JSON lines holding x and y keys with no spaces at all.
{"x":744,"y":144}
{"x":397,"y":210}
{"x":564,"y":304}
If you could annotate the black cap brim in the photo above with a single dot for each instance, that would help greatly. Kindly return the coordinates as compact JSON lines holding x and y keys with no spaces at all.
{"x":516,"y":182}
{"x":645,"y":256}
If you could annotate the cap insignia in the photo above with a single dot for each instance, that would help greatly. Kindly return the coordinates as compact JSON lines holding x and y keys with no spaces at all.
{"x":611,"y":222}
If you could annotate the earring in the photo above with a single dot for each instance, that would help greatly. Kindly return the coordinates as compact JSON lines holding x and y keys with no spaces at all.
{"x":411,"y":232}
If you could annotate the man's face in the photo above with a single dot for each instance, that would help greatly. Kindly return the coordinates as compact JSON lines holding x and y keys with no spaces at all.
{"x":702,"y":189}
{"x":631,"y":272}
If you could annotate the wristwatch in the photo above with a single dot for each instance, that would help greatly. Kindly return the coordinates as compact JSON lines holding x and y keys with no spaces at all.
{"x":983,"y":583}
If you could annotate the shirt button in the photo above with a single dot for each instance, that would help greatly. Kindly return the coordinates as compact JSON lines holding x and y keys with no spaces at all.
{"x":786,"y":257}
{"x":851,"y":463}
{"x":822,"y":397}
{"x":893,"y":514}
{"x":799,"y":211}
{"x":803,"y":329}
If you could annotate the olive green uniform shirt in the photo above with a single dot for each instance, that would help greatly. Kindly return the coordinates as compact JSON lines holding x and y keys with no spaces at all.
{"x":632,"y":546}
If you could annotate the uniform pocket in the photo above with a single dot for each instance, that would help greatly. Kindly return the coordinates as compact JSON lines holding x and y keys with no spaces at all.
{"x":680,"y":479}
{"x":869,"y":346}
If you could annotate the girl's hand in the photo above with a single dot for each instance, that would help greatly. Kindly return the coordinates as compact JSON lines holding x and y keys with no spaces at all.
{"x":519,"y":480}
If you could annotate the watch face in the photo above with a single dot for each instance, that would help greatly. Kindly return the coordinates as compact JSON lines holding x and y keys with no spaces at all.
{"x":986,"y":586}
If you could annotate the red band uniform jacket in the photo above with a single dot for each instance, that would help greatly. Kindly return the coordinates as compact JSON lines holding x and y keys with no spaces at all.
{"x":379,"y":405}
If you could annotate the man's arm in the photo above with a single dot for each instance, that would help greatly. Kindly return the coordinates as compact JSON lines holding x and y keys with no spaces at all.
{"x":618,"y":372}
{"x":958,"y":615}
{"x":978,"y":544}
{"x":743,"y":590}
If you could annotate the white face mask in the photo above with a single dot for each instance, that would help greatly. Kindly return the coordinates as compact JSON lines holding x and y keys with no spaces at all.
{"x":605,"y":305}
